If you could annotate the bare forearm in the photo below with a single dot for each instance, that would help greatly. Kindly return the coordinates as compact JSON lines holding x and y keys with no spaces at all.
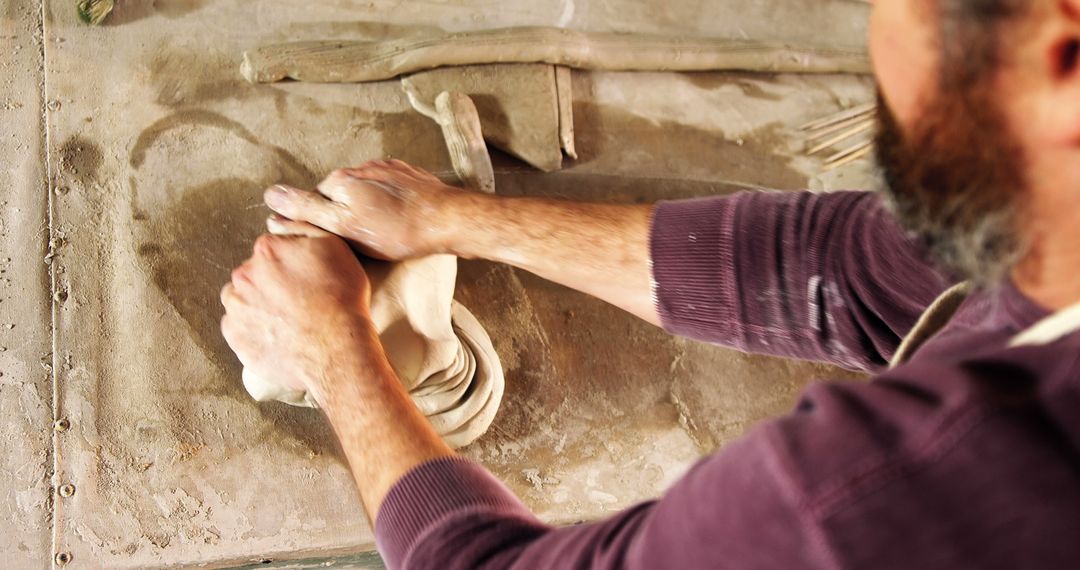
{"x":383,"y":434}
{"x":599,"y":249}
{"x":391,"y":210}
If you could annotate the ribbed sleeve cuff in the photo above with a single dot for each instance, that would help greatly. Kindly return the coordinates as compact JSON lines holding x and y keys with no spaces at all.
{"x":690,"y":245}
{"x":429,"y":494}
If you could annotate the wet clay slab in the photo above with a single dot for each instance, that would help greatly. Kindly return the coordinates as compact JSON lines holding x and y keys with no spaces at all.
{"x":164,"y":151}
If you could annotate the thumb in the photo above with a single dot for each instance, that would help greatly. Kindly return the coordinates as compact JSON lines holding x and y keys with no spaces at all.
{"x":282,"y":226}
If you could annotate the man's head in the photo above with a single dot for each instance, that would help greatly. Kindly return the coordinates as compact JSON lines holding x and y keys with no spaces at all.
{"x":979,"y":122}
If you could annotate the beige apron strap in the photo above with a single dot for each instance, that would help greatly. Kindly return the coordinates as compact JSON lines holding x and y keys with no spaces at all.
{"x":936,"y":316}
{"x":1051,"y":329}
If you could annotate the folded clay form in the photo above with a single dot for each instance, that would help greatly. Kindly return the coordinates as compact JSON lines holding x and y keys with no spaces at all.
{"x":328,"y":61}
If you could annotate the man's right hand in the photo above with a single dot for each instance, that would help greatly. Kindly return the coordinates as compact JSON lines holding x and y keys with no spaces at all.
{"x":389,"y":209}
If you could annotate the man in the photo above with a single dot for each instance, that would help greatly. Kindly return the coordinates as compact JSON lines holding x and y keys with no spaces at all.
{"x":966,"y":456}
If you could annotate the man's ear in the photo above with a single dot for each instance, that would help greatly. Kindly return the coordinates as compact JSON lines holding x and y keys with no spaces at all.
{"x":1065,"y":51}
{"x":1062,"y":58}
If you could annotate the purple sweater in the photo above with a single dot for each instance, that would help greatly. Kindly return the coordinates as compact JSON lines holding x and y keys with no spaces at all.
{"x":965,"y":457}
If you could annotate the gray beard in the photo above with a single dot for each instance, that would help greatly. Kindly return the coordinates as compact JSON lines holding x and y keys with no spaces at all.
{"x":958,"y":185}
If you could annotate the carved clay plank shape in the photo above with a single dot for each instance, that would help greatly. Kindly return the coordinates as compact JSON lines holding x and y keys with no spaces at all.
{"x":518,"y":105}
{"x":354,"y":62}
{"x":456,"y":115}
{"x":564,"y":88}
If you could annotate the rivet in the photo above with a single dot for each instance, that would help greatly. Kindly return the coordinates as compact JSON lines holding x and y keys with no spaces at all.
{"x":63,"y":558}
{"x":67,"y":490}
{"x":61,"y":190}
{"x":62,"y":424}
{"x":54,"y":105}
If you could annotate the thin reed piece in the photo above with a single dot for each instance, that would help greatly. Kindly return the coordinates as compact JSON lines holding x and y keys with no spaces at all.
{"x":821,"y":133}
{"x":863,"y":150}
{"x":866,"y":126}
{"x":858,"y":110}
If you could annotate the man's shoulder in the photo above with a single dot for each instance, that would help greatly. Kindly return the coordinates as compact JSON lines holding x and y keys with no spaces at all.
{"x":949,"y":455}
{"x":846,"y":440}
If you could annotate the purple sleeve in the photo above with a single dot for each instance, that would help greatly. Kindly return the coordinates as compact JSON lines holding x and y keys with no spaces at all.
{"x":451,"y":514}
{"x":970,"y":463}
{"x":827,"y":277}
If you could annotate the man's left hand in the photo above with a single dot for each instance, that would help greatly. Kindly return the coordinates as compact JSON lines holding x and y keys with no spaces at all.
{"x":298,"y":306}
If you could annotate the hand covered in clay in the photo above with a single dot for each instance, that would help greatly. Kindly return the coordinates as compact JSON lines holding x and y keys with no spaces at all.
{"x":388,"y":209}
{"x":297,"y":306}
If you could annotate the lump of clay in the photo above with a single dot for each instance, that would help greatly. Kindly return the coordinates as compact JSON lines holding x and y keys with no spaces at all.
{"x":440,"y":352}
{"x":438,"y":349}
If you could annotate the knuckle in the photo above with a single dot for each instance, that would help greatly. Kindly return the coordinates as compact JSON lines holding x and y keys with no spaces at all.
{"x":264,"y":244}
{"x":335,"y":218}
{"x":339,"y":174}
{"x":228,"y":329}
{"x":279,"y":199}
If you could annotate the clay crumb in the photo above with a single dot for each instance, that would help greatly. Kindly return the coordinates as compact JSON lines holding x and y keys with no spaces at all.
{"x":533,"y":477}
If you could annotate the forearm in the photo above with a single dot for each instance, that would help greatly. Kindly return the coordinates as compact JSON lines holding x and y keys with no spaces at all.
{"x":453,"y":514}
{"x":390,"y":210}
{"x":381,"y":431}
{"x":828,"y":277}
{"x":599,"y":249}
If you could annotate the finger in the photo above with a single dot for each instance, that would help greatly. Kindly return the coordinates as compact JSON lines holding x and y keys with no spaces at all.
{"x":225,"y":325}
{"x":305,"y":206}
{"x":392,"y":169}
{"x":281,"y":226}
{"x":381,"y":171}
{"x":347,"y":186}
{"x":229,"y":297}
{"x":395,"y":171}
{"x":390,"y":181}
{"x":402,"y":165}
{"x":373,"y":164}
{"x":414,"y":170}
{"x":266,"y":246}
{"x":230,"y":333}
{"x":338,"y":185}
{"x":241,"y":276}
